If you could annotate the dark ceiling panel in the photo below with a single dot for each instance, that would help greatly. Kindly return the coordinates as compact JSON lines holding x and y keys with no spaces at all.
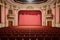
{"x":34,"y":1}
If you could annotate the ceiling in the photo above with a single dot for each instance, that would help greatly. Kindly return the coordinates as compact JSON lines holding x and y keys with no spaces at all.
{"x":30,"y":1}
{"x":20,"y":2}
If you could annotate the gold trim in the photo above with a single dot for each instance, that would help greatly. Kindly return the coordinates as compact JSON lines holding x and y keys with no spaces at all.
{"x":30,"y":7}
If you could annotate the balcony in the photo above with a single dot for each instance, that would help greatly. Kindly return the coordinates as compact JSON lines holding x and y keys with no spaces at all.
{"x":49,"y":16}
{"x":10,"y":16}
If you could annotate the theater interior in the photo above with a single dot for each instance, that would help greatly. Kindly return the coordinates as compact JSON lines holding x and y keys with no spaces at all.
{"x":29,"y":19}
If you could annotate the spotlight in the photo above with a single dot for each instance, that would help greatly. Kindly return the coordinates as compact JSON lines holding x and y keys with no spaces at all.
{"x":29,"y":0}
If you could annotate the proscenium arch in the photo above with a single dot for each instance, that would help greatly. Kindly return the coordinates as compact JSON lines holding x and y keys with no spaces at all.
{"x":26,"y":12}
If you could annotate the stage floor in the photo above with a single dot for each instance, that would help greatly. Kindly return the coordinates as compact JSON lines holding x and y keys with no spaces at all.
{"x":32,"y":27}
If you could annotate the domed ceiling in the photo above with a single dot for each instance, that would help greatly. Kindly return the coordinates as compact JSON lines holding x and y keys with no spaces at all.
{"x":30,"y":1}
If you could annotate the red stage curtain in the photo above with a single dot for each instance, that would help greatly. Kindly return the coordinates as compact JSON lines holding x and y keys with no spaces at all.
{"x":30,"y":17}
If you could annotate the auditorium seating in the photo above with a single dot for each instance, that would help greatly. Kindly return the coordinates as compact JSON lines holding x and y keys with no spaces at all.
{"x":44,"y":33}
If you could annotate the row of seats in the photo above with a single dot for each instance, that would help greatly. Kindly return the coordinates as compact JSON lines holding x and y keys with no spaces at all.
{"x":31,"y":38}
{"x":44,"y":33}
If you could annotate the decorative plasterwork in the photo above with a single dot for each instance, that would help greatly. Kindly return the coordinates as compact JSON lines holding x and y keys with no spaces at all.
{"x":12,"y":2}
{"x":30,"y":7}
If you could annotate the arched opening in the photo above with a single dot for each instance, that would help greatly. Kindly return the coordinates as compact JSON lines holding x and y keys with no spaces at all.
{"x":29,"y":18}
